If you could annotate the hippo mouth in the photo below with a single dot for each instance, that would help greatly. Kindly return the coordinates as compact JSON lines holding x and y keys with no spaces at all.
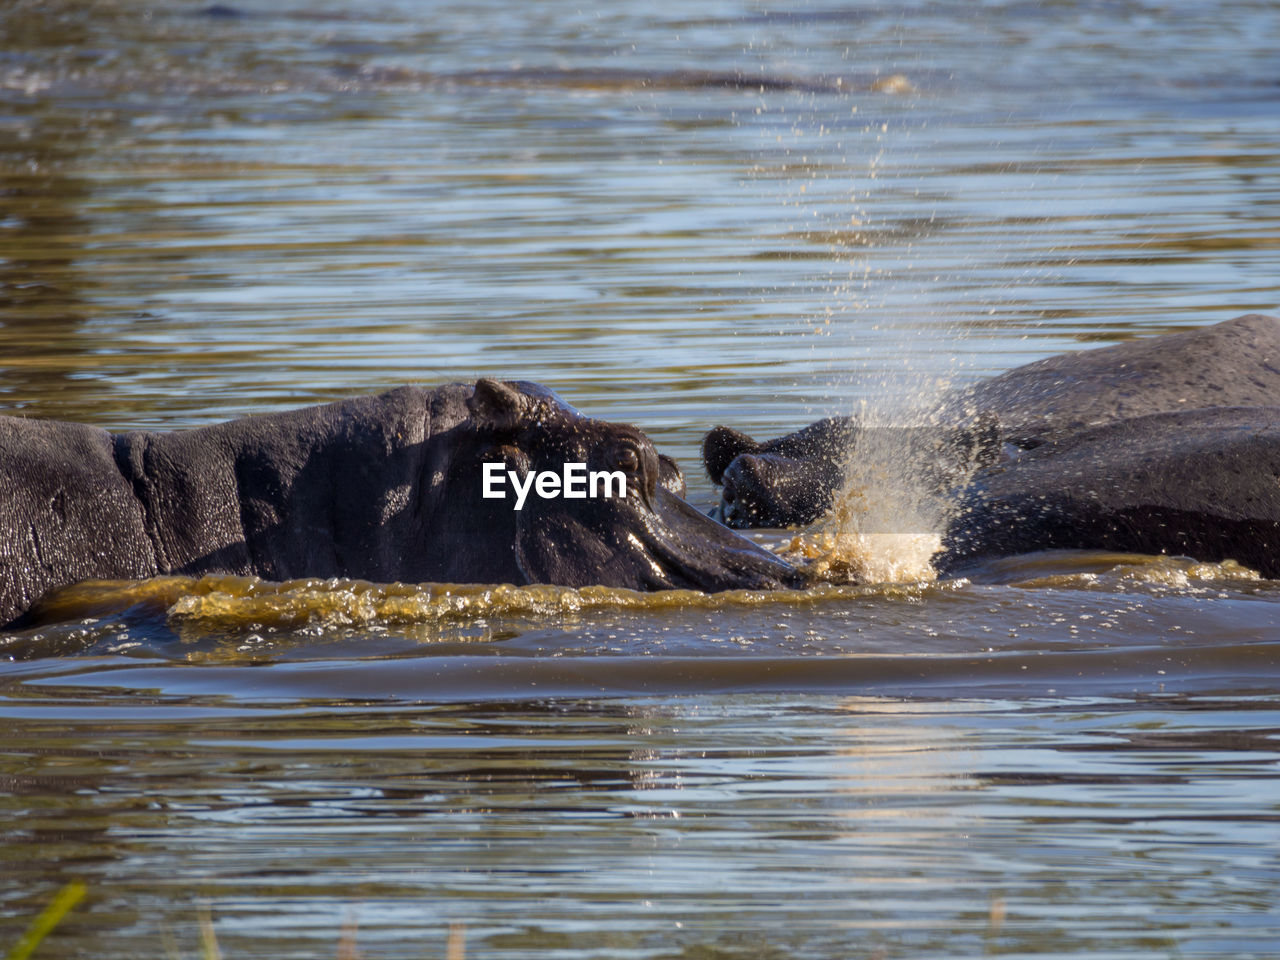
{"x":662,"y":543}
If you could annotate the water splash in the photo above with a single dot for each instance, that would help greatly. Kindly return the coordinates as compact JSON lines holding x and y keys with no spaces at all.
{"x":879,"y":558}
{"x":237,"y":603}
{"x":889,"y":516}
{"x":903,"y":466}
{"x":233,"y":618}
{"x":1114,"y":572}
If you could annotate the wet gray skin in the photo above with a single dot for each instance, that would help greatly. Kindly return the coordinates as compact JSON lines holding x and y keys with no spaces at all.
{"x":384,"y":488}
{"x":1203,"y":483}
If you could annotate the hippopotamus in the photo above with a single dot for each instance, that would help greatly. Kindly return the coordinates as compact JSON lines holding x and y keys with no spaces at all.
{"x":1203,"y":483}
{"x":1059,"y":452}
{"x":386,"y":488}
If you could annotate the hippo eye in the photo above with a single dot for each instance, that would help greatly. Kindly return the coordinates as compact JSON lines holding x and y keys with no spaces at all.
{"x":513,"y":457}
{"x":629,"y":460}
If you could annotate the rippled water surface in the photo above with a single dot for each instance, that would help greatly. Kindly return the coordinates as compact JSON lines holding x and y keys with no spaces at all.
{"x":676,"y":215}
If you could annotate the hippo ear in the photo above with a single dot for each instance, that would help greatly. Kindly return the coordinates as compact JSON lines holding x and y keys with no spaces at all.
{"x":670,"y":475}
{"x":497,"y":405}
{"x":720,"y":446}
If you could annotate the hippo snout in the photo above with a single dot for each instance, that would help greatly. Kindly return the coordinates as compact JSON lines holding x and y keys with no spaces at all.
{"x":771,"y":490}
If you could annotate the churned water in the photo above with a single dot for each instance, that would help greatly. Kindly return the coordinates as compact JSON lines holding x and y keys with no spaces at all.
{"x":675,"y":215}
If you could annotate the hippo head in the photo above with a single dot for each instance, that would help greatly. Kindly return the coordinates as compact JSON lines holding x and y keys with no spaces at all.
{"x":775,"y":484}
{"x":644,"y":536}
{"x":772,"y":490}
{"x":795,"y":479}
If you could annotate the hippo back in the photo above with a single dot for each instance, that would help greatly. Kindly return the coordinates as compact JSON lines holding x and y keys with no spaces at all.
{"x":322,"y":491}
{"x":1230,"y":364}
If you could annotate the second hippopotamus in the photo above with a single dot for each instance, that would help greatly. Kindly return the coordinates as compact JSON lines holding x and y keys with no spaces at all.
{"x":1149,"y":445}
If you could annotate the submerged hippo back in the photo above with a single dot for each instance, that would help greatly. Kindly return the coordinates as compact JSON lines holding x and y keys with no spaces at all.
{"x":326,"y":491}
{"x":323,"y":491}
{"x":66,"y":512}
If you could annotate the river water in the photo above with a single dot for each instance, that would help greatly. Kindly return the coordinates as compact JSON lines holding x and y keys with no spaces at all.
{"x":675,"y":215}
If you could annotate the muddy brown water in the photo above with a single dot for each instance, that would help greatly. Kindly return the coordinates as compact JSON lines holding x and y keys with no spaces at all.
{"x":675,"y":216}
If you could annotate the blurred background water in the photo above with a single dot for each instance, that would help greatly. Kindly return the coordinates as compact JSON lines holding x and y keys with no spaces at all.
{"x":675,"y":215}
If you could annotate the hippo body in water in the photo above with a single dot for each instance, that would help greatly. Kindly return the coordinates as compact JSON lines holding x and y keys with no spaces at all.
{"x":385,"y":488}
{"x":1201,"y":483}
{"x":1164,"y":444}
